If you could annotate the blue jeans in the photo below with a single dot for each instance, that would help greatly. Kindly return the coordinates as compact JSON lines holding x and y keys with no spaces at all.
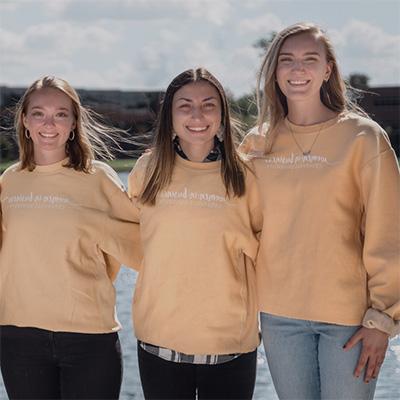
{"x":307,"y":361}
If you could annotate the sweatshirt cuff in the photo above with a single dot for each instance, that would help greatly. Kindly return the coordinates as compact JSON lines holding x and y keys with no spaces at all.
{"x":379,"y":320}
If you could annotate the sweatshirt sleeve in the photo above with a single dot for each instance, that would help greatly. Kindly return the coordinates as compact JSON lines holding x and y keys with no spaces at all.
{"x":120,"y":238}
{"x":380,"y":190}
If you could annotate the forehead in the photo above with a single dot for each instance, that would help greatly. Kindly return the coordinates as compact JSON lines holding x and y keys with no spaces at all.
{"x":49,"y":97}
{"x":197,"y":90}
{"x":303,"y":43}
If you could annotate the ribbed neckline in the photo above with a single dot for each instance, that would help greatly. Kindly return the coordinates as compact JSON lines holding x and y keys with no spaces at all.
{"x":51,"y":167}
{"x":304,"y":129}
{"x":197,"y":165}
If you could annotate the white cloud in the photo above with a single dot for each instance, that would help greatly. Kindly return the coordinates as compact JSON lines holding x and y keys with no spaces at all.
{"x":261,"y":24}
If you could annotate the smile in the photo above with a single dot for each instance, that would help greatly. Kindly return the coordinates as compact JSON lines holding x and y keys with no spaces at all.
{"x":48,"y":135}
{"x":197,"y":129}
{"x":298,"y":82}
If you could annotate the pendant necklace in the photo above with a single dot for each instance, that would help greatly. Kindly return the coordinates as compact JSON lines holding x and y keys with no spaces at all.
{"x":305,"y":152}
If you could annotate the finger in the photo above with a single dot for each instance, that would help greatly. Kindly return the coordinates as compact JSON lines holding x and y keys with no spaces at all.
{"x":369,"y":370}
{"x":377,"y":368}
{"x":352,"y":341}
{"x":362,"y":362}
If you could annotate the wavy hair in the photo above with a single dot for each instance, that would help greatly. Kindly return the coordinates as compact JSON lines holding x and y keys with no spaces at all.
{"x":90,"y":132}
{"x":272,"y":104}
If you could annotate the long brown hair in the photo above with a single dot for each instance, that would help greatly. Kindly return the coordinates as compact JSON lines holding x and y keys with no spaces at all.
{"x":89,"y":136}
{"x":162,"y":157}
{"x":272,"y":103}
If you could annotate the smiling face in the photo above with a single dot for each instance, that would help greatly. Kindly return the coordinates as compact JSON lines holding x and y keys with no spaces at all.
{"x":196,"y":115}
{"x":302,"y":68}
{"x":49,"y":118}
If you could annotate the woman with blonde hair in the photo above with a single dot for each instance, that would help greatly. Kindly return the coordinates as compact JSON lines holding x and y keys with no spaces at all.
{"x":66,"y":220}
{"x":328,"y":263}
{"x":194,"y":307}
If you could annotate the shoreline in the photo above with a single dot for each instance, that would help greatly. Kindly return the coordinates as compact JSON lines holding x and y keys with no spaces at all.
{"x":119,"y":165}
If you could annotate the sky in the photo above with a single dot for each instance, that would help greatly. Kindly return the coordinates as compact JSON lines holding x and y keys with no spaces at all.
{"x":144,"y":44}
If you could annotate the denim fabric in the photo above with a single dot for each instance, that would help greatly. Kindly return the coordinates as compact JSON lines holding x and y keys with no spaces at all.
{"x":307,"y":361}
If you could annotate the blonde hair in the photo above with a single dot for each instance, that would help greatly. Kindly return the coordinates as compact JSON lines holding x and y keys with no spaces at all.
{"x":88,"y":141}
{"x":162,"y":157}
{"x":271,"y":102}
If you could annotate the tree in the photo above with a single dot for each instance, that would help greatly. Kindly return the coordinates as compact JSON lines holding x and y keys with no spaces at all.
{"x":359,"y":80}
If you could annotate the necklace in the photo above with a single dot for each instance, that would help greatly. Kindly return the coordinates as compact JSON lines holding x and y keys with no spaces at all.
{"x":305,"y":152}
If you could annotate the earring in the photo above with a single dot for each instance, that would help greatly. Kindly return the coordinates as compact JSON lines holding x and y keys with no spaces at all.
{"x":27,"y":134}
{"x":220,"y":133}
{"x":173,"y":135}
{"x":71,"y":137}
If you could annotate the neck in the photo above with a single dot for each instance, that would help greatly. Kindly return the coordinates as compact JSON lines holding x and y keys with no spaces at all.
{"x":197,"y":152}
{"x":47,"y":158}
{"x":309,"y":112}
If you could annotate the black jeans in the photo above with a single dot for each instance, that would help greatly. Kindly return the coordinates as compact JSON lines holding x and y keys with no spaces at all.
{"x":40,"y":364}
{"x":163,"y":379}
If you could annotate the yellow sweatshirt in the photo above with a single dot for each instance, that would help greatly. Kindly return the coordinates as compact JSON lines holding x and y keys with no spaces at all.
{"x":63,"y":231}
{"x":195,"y":292}
{"x":330,"y":245}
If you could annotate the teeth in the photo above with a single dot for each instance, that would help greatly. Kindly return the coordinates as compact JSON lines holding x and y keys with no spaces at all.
{"x":297,"y":82}
{"x":48,"y":135}
{"x":197,"y":129}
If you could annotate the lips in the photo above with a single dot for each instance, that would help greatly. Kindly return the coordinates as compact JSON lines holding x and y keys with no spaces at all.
{"x":197,"y":129}
{"x":298,"y":82}
{"x":48,"y":135}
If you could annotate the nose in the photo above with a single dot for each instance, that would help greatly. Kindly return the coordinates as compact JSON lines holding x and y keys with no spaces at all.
{"x":196,"y":112}
{"x":298,"y":65}
{"x":49,"y":120}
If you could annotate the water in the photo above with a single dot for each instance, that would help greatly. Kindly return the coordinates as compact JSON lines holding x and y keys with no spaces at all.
{"x":388,"y":386}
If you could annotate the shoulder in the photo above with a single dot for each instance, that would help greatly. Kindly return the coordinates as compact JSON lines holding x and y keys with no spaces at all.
{"x":105,"y":174}
{"x":11,"y":170}
{"x":140,"y":164}
{"x":254,"y":142}
{"x":367,"y":133}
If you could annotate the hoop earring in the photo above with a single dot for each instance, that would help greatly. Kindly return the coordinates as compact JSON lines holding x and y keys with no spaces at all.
{"x":27,"y":134}
{"x":71,"y":138}
{"x":220,"y":133}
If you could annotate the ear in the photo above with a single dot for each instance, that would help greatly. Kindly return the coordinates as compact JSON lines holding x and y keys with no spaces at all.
{"x":24,"y":121}
{"x":74,"y":125}
{"x":328,"y":72}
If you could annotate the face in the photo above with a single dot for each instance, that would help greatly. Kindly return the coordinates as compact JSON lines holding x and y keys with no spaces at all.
{"x":49,"y":118}
{"x":302,"y":67}
{"x":196,"y":114}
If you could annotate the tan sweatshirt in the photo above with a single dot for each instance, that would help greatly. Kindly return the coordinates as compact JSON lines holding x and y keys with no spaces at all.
{"x":330,"y":245}
{"x":63,"y":231}
{"x":195,"y":292}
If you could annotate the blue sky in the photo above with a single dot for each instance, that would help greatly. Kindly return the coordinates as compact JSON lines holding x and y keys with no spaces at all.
{"x":143,"y":44}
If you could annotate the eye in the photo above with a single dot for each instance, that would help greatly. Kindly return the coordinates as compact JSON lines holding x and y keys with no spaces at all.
{"x":184,"y":106}
{"x":285,"y":60}
{"x":37,"y":114}
{"x":209,"y":106}
{"x":61,"y":115}
{"x":310,"y":60}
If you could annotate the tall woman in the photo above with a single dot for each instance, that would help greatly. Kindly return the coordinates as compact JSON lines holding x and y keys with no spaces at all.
{"x":66,"y":219}
{"x":328,"y":265}
{"x":194,"y":305}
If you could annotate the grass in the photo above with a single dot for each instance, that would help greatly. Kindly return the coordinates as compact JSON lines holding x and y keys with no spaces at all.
{"x":118,"y":165}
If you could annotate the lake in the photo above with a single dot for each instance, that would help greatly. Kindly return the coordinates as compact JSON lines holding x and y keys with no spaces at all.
{"x":388,"y":386}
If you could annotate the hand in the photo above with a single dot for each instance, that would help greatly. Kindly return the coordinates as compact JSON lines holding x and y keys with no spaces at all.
{"x":374,"y":345}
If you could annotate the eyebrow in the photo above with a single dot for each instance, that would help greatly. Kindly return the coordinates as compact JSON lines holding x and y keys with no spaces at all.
{"x":190,"y":100}
{"x":58,"y":109}
{"x":309,"y":53}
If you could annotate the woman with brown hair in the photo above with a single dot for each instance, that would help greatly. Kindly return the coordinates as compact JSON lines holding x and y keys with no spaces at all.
{"x":194,"y":305}
{"x":328,"y":264}
{"x":66,"y":219}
